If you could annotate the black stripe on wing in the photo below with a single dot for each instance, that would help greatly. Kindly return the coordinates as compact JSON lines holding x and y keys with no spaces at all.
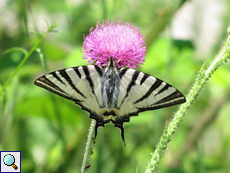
{"x":88,"y":78}
{"x":154,"y":86}
{"x":123,"y":71}
{"x":173,"y":99}
{"x":69,"y":80}
{"x":47,"y":84}
{"x":165,"y":88}
{"x":144,"y":78}
{"x":99,"y":70}
{"x":56,"y":76}
{"x":132,"y":83}
{"x":77,"y":71}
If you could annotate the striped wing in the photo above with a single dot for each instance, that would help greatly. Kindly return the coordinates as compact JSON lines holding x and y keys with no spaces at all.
{"x":140,"y":92}
{"x":81,"y":84}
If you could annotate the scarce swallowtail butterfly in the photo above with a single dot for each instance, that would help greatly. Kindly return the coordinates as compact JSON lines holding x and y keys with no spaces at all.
{"x":111,"y":93}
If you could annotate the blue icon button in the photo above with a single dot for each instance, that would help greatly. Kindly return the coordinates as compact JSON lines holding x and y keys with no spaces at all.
{"x":9,"y":160}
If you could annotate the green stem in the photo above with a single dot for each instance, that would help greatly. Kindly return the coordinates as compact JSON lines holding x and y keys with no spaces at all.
{"x":202,"y":78}
{"x":88,"y":146}
{"x":27,"y":55}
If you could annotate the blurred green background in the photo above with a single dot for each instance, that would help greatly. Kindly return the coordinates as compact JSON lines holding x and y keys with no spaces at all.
{"x":51,"y":131}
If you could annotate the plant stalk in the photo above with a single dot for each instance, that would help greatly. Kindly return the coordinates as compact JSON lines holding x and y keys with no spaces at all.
{"x":202,"y":78}
{"x":88,"y":147}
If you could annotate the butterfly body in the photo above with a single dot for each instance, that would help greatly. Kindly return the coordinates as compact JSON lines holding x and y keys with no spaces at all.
{"x":110,"y":81}
{"x":111,"y":93}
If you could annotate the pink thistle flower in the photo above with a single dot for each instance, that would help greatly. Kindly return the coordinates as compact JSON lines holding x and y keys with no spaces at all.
{"x":122,"y":41}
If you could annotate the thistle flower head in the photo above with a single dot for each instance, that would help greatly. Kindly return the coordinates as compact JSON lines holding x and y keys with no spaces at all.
{"x":122,"y":41}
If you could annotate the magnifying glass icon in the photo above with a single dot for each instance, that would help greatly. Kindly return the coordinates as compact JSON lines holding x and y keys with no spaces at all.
{"x":9,"y":160}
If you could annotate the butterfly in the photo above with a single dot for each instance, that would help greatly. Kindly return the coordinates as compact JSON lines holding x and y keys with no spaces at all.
{"x":111,"y":93}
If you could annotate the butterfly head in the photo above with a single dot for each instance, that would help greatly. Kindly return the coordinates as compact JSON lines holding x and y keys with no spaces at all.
{"x":111,"y":62}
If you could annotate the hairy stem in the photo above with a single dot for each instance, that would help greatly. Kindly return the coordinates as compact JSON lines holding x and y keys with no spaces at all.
{"x":201,"y":79}
{"x":206,"y":118}
{"x":88,"y":147}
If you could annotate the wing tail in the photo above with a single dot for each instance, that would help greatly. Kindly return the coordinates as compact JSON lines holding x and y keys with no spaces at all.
{"x":121,"y":127}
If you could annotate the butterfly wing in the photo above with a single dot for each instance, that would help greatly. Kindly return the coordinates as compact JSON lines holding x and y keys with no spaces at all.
{"x":80,"y":84}
{"x":140,"y":92}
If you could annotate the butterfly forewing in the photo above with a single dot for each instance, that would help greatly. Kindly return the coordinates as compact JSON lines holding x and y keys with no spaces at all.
{"x":80,"y":84}
{"x":140,"y":92}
